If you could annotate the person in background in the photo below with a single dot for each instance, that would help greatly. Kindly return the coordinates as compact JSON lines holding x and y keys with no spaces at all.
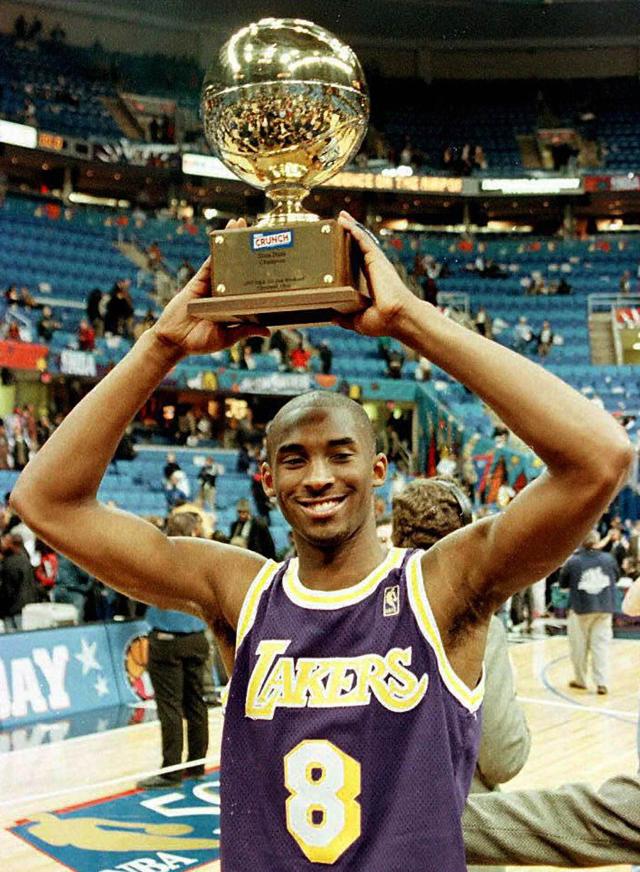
{"x":176,"y":492}
{"x":427,"y":510}
{"x":170,"y":466}
{"x":244,"y":460}
{"x":575,"y":825}
{"x":86,"y":336}
{"x":178,"y":651}
{"x":252,"y":533}
{"x":17,"y":582}
{"x":207,"y":478}
{"x":299,"y":357}
{"x":326,"y":357}
{"x":545,"y":339}
{"x":47,"y":324}
{"x":46,"y":572}
{"x":591,"y":577}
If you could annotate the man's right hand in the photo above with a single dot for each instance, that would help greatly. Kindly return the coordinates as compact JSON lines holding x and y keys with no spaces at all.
{"x":184,"y":334}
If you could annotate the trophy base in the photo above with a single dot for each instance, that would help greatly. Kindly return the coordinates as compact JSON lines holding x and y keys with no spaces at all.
{"x":295,"y":308}
{"x":299,"y":275}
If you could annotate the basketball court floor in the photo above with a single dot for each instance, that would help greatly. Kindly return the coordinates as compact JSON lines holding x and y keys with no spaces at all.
{"x":73,"y":805}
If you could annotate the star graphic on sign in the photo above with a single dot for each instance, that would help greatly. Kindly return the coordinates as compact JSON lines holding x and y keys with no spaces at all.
{"x":87,"y":656}
{"x":100,"y":686}
{"x":103,"y":725}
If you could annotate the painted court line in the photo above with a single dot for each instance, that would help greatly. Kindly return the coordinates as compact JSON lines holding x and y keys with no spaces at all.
{"x":121,"y":779}
{"x":577,"y":706}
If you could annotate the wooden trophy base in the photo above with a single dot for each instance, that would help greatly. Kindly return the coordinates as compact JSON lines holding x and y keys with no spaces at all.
{"x":298,"y":275}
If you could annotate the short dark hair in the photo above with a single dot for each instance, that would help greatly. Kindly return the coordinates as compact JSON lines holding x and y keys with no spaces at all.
{"x":427,"y":510}
{"x":320,"y":400}
{"x":182,"y":524}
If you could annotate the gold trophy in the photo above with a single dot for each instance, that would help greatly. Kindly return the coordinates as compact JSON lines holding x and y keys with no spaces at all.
{"x":285,"y":106}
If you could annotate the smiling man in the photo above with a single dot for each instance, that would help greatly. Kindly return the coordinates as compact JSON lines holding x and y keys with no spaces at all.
{"x":352,"y":719}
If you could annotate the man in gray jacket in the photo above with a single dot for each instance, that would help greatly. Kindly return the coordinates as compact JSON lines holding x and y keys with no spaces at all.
{"x":574,"y":826}
{"x":424,"y":512}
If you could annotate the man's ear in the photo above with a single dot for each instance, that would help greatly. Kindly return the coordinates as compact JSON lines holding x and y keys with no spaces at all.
{"x":267,"y":480}
{"x":380,"y":467}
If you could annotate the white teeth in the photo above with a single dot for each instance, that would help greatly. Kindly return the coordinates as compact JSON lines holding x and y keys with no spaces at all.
{"x":323,"y":507}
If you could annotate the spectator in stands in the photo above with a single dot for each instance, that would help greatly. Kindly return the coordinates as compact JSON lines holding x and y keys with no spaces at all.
{"x":171,"y":465}
{"x":563,"y":287}
{"x":615,"y":544}
{"x":247,"y":359}
{"x":46,"y":572}
{"x":545,"y":339}
{"x":207,"y":478}
{"x":625,"y":282}
{"x":591,"y":577}
{"x":260,"y":499}
{"x":482,"y":322}
{"x":406,"y":155}
{"x":522,"y":335}
{"x":300,"y":357}
{"x":185,"y":272}
{"x":178,"y":651}
{"x":96,"y":304}
{"x":119,"y":313}
{"x":20,"y":27}
{"x":35,"y":29}
{"x":44,"y":427}
{"x":4,"y":448}
{"x":326,"y":356}
{"x":20,"y":446}
{"x":479,"y":159}
{"x":58,"y":34}
{"x":279,"y":348}
{"x":75,"y":586}
{"x":86,"y":336}
{"x":17,"y":582}
{"x":249,"y":532}
{"x":395,"y":362}
{"x":155,"y":256}
{"x":12,"y":295}
{"x":244,"y":461}
{"x":423,"y":369}
{"x":176,"y":492}
{"x":47,"y":325}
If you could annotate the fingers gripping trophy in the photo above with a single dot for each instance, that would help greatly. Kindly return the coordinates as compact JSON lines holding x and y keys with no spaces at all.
{"x":285,"y":106}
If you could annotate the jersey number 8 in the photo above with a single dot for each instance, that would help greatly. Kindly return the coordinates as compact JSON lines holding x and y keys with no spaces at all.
{"x":323,"y":815}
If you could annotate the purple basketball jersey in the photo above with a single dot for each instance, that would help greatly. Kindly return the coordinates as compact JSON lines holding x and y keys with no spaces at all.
{"x":348,"y":739}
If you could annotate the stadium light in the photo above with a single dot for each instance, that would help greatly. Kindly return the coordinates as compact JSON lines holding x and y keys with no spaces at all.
{"x":531,"y":186}
{"x":18,"y":134}
{"x":204,"y":165}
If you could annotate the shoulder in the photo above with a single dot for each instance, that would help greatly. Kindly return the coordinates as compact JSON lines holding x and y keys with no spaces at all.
{"x":226,"y":571}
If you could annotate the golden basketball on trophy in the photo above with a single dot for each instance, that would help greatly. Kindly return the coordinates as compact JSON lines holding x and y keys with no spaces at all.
{"x":285,"y":107}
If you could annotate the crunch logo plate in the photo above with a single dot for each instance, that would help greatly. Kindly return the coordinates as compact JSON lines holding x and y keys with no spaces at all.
{"x":271,"y":239}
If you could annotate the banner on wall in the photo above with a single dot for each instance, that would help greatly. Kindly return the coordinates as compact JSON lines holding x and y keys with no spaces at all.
{"x":23,"y":355}
{"x":59,"y":672}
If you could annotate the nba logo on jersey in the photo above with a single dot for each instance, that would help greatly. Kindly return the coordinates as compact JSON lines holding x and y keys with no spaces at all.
{"x":391,"y":601}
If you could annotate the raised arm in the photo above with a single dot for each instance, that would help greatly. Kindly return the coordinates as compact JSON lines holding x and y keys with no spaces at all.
{"x":587,"y":454}
{"x":56,"y":493}
{"x":576,"y":825}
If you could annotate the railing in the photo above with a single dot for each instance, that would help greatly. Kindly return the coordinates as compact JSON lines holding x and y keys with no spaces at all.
{"x":606,"y":302}
{"x":455,"y":300}
{"x":600,"y":303}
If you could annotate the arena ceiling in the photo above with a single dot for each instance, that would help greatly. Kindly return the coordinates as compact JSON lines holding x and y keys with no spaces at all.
{"x":436,"y":23}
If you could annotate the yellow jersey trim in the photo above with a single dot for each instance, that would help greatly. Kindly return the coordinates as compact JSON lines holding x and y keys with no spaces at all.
{"x":470,"y":699}
{"x":331,"y":599}
{"x":252,"y":599}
